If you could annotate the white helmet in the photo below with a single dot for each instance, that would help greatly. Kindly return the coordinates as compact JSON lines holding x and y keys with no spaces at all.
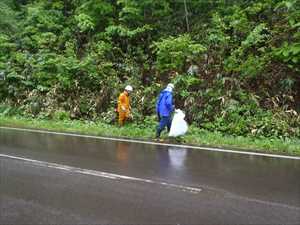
{"x":170,"y":85}
{"x":128,"y":88}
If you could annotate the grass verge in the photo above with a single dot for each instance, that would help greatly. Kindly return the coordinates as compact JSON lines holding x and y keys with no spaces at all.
{"x":195,"y":136}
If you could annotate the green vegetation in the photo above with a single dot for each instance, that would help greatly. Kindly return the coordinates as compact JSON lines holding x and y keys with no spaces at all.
{"x":235,"y":64}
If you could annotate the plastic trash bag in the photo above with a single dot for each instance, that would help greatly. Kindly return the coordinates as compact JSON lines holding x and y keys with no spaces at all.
{"x":179,"y":125}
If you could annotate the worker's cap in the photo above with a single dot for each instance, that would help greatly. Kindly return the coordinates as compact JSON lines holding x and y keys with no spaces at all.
{"x":129,"y":88}
{"x":170,"y":85}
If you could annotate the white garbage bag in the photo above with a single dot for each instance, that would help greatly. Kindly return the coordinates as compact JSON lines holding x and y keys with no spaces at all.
{"x":179,"y":125}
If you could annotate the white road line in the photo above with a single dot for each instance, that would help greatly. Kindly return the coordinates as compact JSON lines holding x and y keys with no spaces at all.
{"x":99,"y":173}
{"x":155,"y":143}
{"x":112,"y":176}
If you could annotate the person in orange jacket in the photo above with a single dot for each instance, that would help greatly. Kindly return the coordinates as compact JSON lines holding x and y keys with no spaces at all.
{"x":124,"y":105}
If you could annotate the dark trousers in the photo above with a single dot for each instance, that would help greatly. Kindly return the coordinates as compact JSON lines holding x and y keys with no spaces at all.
{"x":165,"y":121}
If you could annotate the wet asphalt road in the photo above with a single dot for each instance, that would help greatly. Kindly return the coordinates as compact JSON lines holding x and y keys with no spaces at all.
{"x":240,"y":189}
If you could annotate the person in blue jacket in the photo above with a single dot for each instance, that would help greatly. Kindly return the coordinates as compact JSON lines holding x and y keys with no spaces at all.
{"x":164,"y":109}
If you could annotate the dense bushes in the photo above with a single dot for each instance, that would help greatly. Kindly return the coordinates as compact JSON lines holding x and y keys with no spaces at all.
{"x":235,"y":64}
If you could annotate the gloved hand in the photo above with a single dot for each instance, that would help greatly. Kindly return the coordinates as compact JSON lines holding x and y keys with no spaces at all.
{"x":130,"y":116}
{"x":173,"y":107}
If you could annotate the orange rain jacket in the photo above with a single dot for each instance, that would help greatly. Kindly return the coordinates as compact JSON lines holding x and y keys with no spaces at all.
{"x":124,"y":102}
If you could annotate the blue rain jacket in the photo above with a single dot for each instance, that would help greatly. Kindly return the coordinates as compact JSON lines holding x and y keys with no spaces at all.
{"x":164,"y":104}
